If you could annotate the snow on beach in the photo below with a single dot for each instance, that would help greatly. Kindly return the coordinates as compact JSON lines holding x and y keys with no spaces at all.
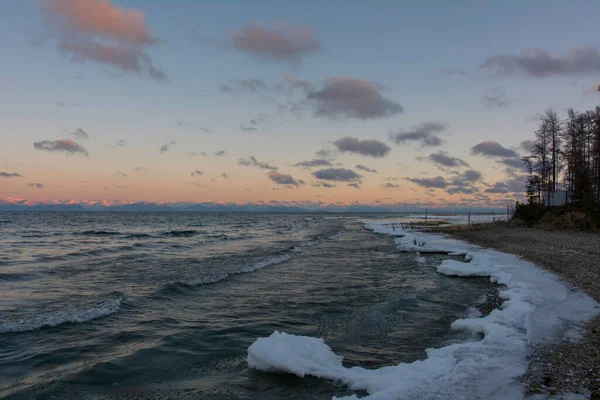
{"x":538,"y":308}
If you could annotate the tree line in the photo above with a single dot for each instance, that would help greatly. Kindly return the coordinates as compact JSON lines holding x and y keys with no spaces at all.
{"x":565,"y":160}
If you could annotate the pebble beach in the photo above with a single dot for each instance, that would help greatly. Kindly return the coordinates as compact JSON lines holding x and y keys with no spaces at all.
{"x":568,"y":367}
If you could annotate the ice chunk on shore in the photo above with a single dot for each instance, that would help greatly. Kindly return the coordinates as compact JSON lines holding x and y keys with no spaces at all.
{"x":457,"y":268}
{"x":298,"y":355}
{"x":538,"y":308}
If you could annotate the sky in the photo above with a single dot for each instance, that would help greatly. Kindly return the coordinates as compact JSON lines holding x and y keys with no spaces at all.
{"x":403,"y":103}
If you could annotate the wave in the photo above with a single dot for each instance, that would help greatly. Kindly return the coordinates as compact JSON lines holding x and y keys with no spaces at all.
{"x":100,"y":233}
{"x":67,"y":315}
{"x":222,"y":275}
{"x":138,"y":236}
{"x":320,"y":239}
{"x":13,"y":276}
{"x":181,"y":233}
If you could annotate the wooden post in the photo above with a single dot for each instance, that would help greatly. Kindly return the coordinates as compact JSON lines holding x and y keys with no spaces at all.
{"x":469,"y":222}
{"x":507,"y":214}
{"x":425,"y":216}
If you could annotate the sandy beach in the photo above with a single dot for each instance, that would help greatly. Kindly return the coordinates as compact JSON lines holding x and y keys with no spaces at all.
{"x":575,"y":256}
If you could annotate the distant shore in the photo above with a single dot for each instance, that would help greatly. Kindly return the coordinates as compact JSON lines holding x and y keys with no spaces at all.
{"x":574,"y":256}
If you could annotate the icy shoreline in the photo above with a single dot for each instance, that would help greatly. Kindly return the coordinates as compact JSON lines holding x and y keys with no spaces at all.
{"x":537,"y":309}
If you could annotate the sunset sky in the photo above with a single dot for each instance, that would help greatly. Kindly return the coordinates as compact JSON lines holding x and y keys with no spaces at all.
{"x":338,"y":102}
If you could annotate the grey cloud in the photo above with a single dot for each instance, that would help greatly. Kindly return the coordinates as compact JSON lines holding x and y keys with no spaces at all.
{"x":282,"y":179}
{"x":367,"y":147}
{"x":324,"y":153}
{"x":252,"y":125}
{"x":251,"y":85}
{"x":463,"y":183}
{"x":513,"y":162}
{"x":259,"y":119}
{"x":514,"y":185}
{"x":313,"y":163}
{"x":62,"y":145}
{"x":197,"y":127}
{"x":140,"y":169}
{"x":363,"y":168}
{"x":426,"y":134}
{"x":118,"y":143}
{"x":36,"y":185}
{"x":527,"y":145}
{"x":79,"y":134}
{"x":354,"y":185}
{"x":461,"y":189}
{"x":337,"y":174}
{"x":122,"y":186}
{"x":539,"y":63}
{"x":493,"y":149}
{"x":323,"y":184}
{"x":197,"y":172}
{"x":495,"y":98}
{"x":119,"y":173}
{"x":498,"y":187}
{"x":471,"y":175}
{"x":220,"y":153}
{"x":224,"y":176}
{"x":165,"y":147}
{"x":253,"y":162}
{"x":441,"y":158}
{"x":286,"y":43}
{"x":10,"y":175}
{"x":193,"y":154}
{"x":437,"y":182}
{"x":390,"y":185}
{"x":352,"y":98}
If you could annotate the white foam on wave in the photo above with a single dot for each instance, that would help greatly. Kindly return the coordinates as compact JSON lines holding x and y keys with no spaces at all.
{"x":538,"y":308}
{"x":66,"y":315}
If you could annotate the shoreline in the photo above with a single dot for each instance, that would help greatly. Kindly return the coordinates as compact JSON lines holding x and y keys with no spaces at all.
{"x":566,"y":366}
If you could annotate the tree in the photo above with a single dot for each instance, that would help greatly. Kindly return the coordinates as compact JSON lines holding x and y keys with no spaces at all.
{"x":553,"y":126}
{"x":542,"y":153}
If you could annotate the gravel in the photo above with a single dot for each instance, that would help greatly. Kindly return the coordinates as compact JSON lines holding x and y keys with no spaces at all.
{"x":565,"y":367}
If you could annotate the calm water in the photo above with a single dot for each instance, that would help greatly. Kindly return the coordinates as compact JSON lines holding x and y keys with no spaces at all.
{"x":143,"y":305}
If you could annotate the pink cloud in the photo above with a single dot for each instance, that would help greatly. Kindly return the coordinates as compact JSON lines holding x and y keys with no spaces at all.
{"x":98,"y":31}
{"x":61,"y":145}
{"x":285,"y":43}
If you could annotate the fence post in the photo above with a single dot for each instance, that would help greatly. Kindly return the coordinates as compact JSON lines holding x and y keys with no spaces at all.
{"x":469,"y":222}
{"x":425,"y":216}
